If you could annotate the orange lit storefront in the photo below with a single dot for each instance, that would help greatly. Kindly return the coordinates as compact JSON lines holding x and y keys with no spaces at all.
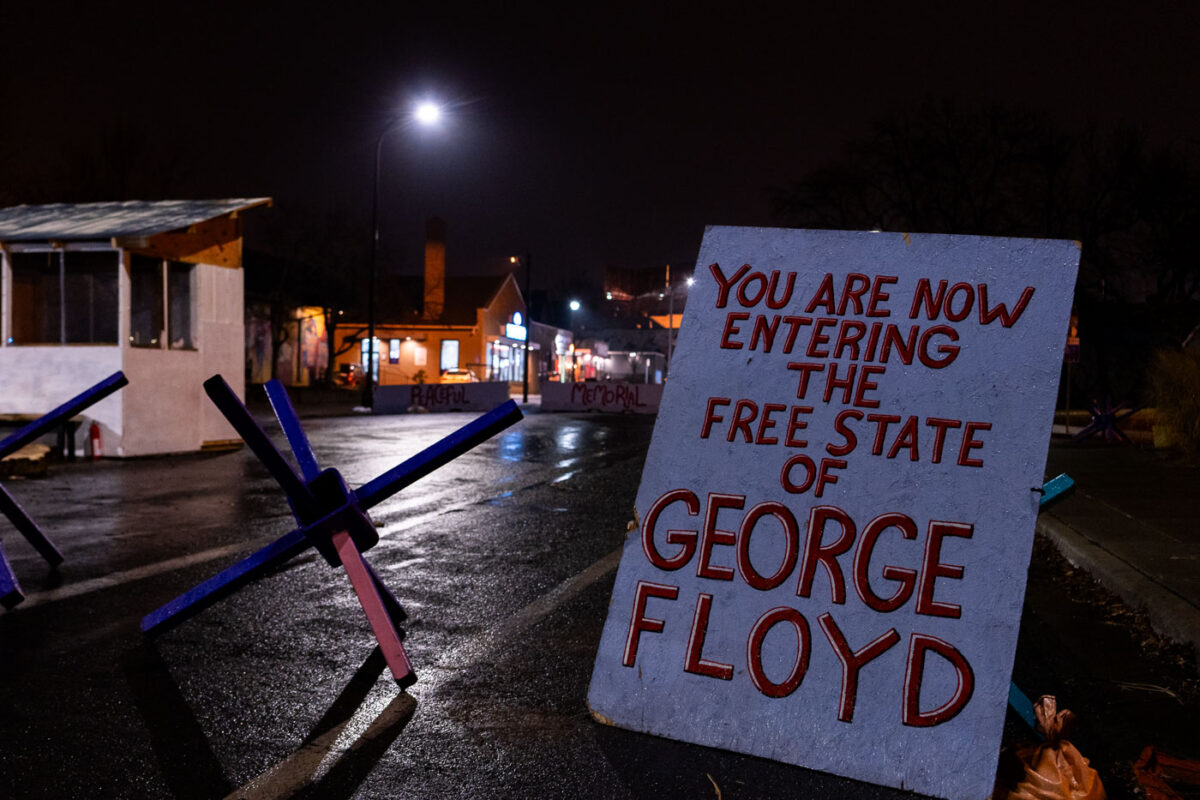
{"x":427,"y":326}
{"x":477,"y":330}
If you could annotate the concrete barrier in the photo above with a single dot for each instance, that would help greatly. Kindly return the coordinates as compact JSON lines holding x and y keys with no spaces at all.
{"x":635,"y":398}
{"x":440,"y":397}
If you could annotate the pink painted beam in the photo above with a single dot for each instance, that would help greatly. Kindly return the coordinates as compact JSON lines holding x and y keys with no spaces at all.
{"x":377,"y":614}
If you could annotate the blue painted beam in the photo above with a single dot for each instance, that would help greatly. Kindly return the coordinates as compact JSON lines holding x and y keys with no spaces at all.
{"x":226,"y":582}
{"x":436,"y":455}
{"x":96,"y":393}
{"x":372,"y":493}
{"x":286,"y":414}
{"x":10,"y":508}
{"x":10,"y":590}
{"x":228,"y":403}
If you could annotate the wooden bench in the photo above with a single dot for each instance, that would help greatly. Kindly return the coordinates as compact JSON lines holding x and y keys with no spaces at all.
{"x":65,"y":431}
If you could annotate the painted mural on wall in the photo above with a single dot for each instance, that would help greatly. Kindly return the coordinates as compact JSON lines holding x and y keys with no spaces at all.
{"x":314,"y":347}
{"x":258,"y":349}
{"x":301,"y":357}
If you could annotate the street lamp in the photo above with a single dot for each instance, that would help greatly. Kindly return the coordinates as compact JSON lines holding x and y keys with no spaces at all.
{"x":574,"y":306}
{"x":528,"y":322}
{"x":427,"y":113}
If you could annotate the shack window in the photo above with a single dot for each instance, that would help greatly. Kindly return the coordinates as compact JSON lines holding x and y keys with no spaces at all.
{"x":145,"y":301}
{"x":180,"y":277}
{"x":90,"y":297}
{"x":64,"y":297}
{"x":36,"y":298}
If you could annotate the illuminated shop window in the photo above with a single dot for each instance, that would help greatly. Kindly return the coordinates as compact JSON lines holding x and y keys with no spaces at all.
{"x":449,"y":359}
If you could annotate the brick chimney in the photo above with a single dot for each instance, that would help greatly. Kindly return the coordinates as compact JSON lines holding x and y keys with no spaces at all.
{"x":435,"y":268}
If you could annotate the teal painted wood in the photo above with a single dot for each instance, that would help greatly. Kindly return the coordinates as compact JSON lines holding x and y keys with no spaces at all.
{"x":1052,"y":490}
{"x":1055,"y":489}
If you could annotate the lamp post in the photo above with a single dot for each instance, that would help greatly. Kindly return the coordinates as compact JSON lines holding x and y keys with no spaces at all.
{"x":574,"y":306}
{"x":528,"y":322}
{"x":428,"y":114}
{"x":670,"y":316}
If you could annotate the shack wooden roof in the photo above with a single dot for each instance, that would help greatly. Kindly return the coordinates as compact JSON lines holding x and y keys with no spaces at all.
{"x":65,"y":222}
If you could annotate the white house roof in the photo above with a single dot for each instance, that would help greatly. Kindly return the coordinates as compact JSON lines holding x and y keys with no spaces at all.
{"x":82,"y":221}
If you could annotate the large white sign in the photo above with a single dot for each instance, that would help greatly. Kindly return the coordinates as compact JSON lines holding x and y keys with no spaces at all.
{"x":837,"y":509}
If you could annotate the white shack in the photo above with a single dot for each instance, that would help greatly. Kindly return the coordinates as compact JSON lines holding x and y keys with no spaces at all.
{"x":153,"y":289}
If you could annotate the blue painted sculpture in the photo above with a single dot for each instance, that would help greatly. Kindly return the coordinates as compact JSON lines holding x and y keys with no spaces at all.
{"x":10,"y":590}
{"x":331,"y":517}
{"x":1106,"y":419}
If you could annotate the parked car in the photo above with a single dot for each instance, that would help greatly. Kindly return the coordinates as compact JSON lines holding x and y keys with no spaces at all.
{"x":349,"y":375}
{"x":459,"y":376}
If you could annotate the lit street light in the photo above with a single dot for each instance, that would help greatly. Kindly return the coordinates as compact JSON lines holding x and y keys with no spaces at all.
{"x":670,"y":292}
{"x":428,"y":114}
{"x":574,"y":306}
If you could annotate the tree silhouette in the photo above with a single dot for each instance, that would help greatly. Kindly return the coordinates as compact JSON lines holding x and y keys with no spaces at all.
{"x":940,"y":168}
{"x":1133,"y":205}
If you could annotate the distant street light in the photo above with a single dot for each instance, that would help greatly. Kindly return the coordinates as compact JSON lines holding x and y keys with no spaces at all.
{"x":427,"y":113}
{"x":671,"y":314}
{"x":574,"y":306}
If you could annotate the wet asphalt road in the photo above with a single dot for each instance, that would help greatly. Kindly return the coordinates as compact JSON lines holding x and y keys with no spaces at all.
{"x":504,"y":561}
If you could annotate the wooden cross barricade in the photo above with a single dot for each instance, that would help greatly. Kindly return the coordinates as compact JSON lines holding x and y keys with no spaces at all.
{"x":1106,"y":418}
{"x":10,"y":589}
{"x":331,"y":517}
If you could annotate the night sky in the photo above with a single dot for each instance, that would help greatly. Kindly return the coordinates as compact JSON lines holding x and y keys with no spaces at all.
{"x":587,"y":134}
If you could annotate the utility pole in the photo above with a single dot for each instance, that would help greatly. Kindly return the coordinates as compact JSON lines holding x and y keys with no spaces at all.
{"x":528,"y":327}
{"x":670,"y":318}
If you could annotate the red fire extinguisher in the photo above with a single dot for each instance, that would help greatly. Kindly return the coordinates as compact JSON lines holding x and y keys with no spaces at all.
{"x":94,"y":438}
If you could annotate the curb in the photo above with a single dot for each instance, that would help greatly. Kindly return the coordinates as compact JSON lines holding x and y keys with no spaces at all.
{"x":1170,"y":615}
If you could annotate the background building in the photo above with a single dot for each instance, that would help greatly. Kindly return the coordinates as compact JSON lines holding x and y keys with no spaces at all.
{"x":426,"y":326}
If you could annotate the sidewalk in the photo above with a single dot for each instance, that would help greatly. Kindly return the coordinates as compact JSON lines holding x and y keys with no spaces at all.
{"x":1133,"y":523}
